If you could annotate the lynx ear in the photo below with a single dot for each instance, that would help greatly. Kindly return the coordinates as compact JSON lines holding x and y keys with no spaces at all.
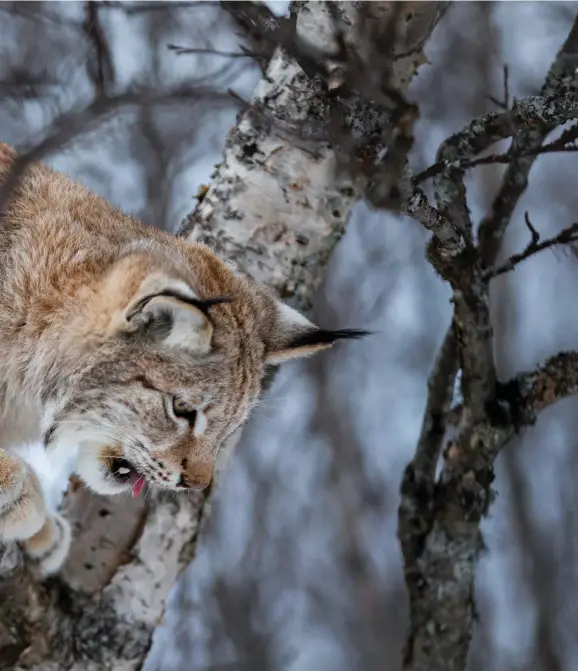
{"x":167,"y":311}
{"x":295,"y":336}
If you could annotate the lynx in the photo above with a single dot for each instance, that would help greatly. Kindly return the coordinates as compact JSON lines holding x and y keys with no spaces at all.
{"x":134,"y":352}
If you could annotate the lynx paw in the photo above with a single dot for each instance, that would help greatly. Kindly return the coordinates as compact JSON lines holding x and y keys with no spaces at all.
{"x":22,"y":511}
{"x":49,"y":547}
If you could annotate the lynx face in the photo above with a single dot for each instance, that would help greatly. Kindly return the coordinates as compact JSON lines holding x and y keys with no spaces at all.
{"x":172,"y":374}
{"x":156,"y":417}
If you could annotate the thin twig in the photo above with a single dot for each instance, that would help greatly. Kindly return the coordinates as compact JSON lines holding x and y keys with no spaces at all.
{"x":560,"y":80}
{"x":535,"y":236}
{"x":565,"y":237}
{"x":505,"y":103}
{"x":132,"y":8}
{"x":514,"y":153}
{"x":182,"y":51}
{"x":99,"y":66}
{"x":69,"y":125}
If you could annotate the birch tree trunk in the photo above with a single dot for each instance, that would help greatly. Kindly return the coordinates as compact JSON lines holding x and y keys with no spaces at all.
{"x":276,"y":208}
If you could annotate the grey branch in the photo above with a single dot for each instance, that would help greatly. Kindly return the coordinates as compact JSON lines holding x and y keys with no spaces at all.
{"x":565,"y":143}
{"x":529,"y":122}
{"x":419,"y":207}
{"x":534,"y":115}
{"x":561,"y":78}
{"x":441,"y":538}
{"x":565,"y":237}
{"x":439,"y":518}
{"x":73,"y":123}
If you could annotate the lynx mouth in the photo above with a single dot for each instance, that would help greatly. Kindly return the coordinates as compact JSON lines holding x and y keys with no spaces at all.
{"x":126,"y":473}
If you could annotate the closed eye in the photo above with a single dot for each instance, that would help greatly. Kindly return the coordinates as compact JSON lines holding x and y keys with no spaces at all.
{"x":181,"y":411}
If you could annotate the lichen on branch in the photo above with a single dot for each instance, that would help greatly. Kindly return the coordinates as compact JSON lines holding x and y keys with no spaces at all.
{"x":439,"y":516}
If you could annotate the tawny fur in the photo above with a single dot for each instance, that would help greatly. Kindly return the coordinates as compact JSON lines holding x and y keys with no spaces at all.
{"x":93,"y":352}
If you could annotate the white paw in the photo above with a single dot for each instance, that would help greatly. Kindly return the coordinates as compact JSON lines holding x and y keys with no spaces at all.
{"x":49,"y":548}
{"x":13,"y":474}
{"x":22,"y":511}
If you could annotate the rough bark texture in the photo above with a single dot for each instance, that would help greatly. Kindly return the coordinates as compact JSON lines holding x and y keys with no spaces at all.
{"x":439,"y":518}
{"x":277,"y":207}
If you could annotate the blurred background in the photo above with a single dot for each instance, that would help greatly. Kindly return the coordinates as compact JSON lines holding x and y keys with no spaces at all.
{"x":301,"y":569}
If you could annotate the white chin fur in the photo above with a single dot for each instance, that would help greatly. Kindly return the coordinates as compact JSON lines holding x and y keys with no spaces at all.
{"x":91,"y":472}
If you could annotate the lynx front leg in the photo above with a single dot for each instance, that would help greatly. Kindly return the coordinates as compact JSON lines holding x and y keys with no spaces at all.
{"x":22,"y":511}
{"x":49,"y":547}
{"x":23,"y":516}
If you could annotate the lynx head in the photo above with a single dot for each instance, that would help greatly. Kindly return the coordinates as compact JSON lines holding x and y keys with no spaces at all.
{"x":172,"y":354}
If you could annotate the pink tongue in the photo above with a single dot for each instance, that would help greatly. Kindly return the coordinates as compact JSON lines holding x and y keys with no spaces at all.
{"x":137,"y":486}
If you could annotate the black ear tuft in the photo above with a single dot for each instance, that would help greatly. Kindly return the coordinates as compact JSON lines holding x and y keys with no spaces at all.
{"x":201,"y":304}
{"x":325,"y":337}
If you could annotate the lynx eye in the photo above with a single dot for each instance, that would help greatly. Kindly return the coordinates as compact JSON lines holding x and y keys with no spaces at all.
{"x":183,"y":412}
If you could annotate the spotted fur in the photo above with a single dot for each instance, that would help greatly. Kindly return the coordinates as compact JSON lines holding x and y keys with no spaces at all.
{"x":103,"y":323}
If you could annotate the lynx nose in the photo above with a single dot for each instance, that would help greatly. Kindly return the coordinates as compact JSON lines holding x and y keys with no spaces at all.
{"x":196,"y":476}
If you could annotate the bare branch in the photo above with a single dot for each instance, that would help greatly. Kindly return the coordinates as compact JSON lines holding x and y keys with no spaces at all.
{"x":505,"y":103}
{"x":99,"y":64}
{"x":24,"y":85}
{"x":418,"y":483}
{"x":419,"y":207}
{"x":535,"y":236}
{"x":435,"y":544}
{"x":560,"y":79}
{"x":439,"y":521}
{"x":555,"y":380}
{"x":458,"y":151}
{"x":565,"y":237}
{"x":256,"y":21}
{"x":182,"y":51}
{"x":81,"y":120}
{"x":132,"y":8}
{"x":562,"y":144}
